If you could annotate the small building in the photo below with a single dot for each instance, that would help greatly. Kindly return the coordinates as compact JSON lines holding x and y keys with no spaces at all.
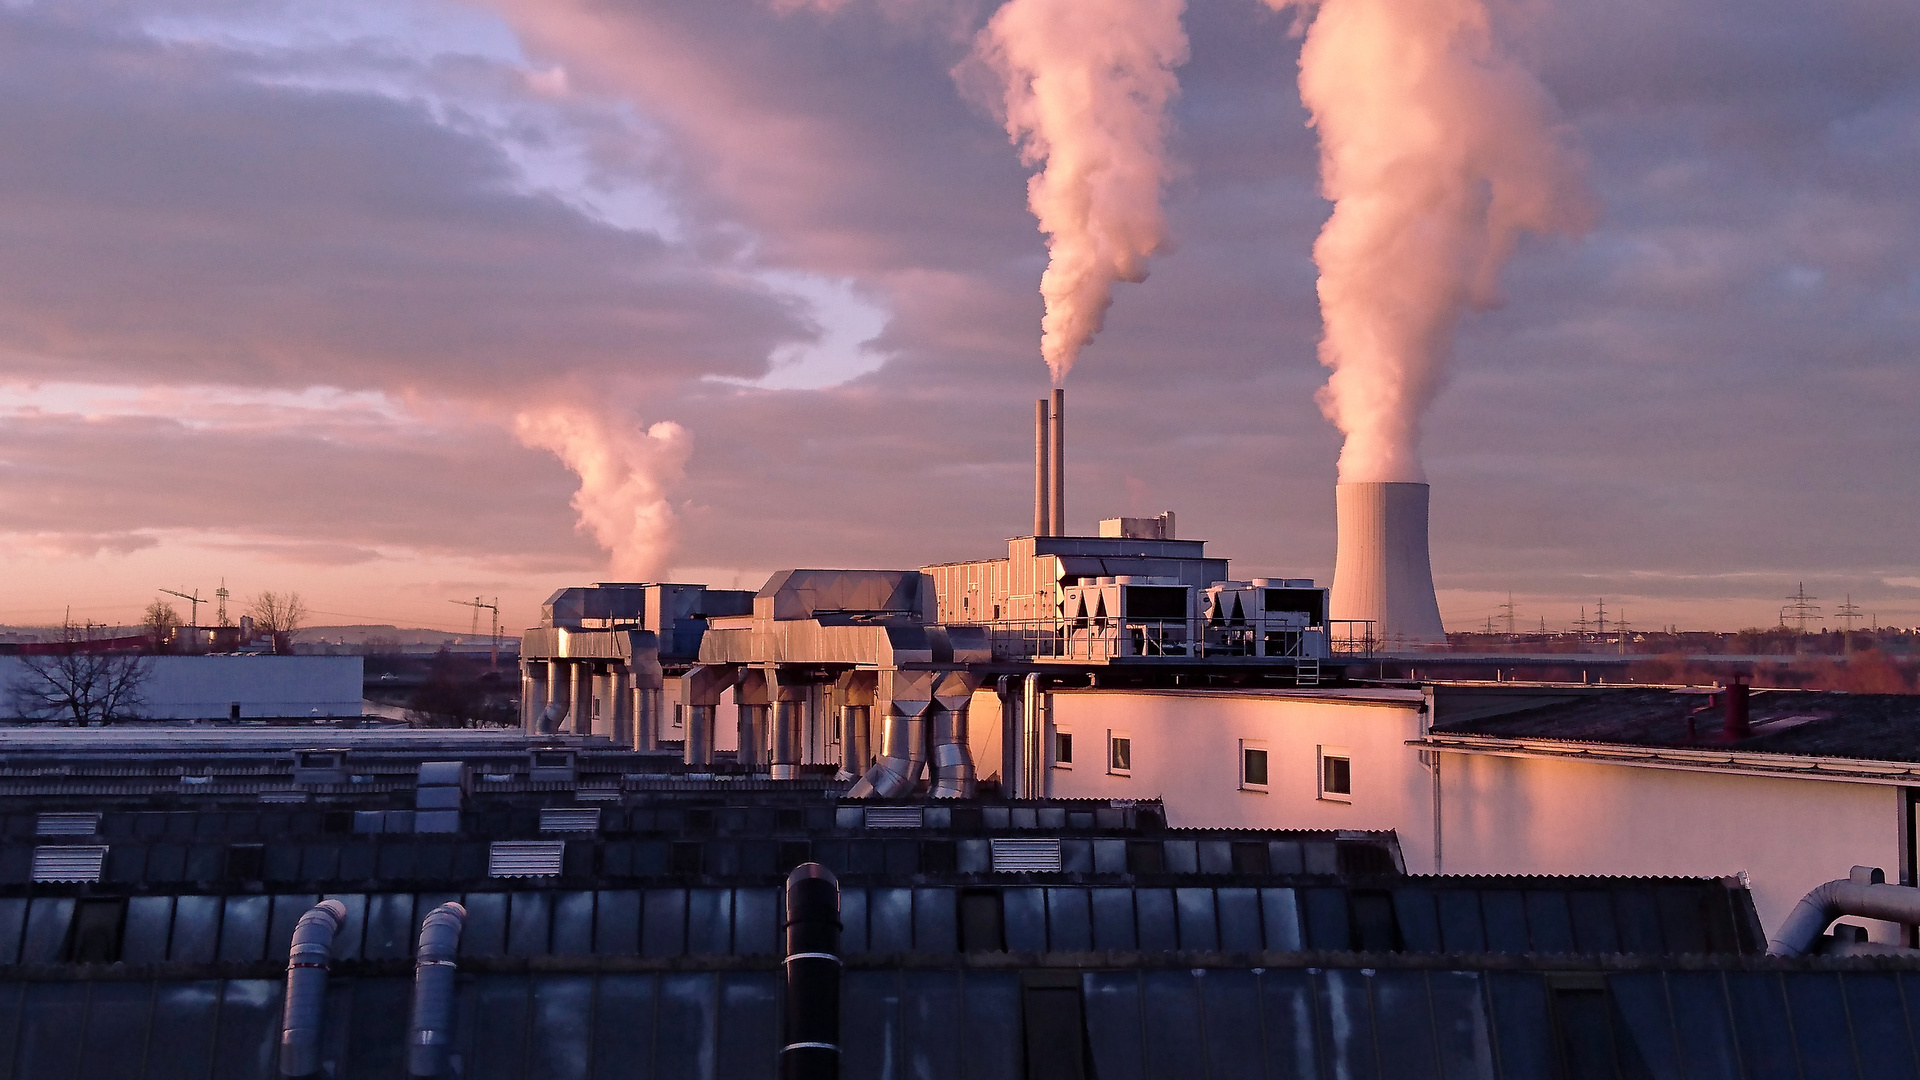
{"x":225,"y":687}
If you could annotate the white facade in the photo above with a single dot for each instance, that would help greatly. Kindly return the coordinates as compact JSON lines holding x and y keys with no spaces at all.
{"x":1519,"y":815}
{"x":228,"y":687}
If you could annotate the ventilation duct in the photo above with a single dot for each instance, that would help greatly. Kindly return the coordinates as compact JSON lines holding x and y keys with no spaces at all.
{"x":1864,"y":894}
{"x":434,"y":972}
{"x":307,"y":960}
{"x":811,"y":1018}
{"x":525,"y":858}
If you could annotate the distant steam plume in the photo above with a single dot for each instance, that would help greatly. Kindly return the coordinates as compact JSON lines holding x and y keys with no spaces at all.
{"x":1086,"y":87}
{"x":625,"y":475}
{"x":1438,"y":150}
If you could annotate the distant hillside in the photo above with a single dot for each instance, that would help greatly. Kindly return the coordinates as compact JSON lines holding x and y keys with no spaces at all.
{"x":361,"y":634}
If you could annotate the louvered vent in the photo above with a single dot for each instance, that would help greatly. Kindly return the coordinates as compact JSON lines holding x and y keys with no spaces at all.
{"x":597,"y":794}
{"x":69,"y":863}
{"x":524,"y":858}
{"x":1025,"y":856}
{"x":895,"y":817}
{"x":570,"y":819}
{"x":283,"y":796}
{"x":75,"y":824}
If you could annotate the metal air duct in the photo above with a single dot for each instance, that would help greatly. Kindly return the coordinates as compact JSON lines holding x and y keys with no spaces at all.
{"x":1381,"y":570}
{"x":1864,"y":894}
{"x":947,"y":749}
{"x":811,"y":1018}
{"x":434,"y":972}
{"x":559,"y":696}
{"x":307,"y":960}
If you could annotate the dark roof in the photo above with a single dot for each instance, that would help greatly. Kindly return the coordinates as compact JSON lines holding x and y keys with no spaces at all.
{"x":1873,"y":727}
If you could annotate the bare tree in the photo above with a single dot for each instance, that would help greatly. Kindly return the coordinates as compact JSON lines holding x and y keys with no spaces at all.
{"x":79,"y":681}
{"x":161,"y":624}
{"x":278,"y":615}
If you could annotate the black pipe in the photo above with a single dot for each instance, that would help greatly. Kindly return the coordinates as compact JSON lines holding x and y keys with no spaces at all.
{"x":434,"y":974}
{"x":811,"y":1049}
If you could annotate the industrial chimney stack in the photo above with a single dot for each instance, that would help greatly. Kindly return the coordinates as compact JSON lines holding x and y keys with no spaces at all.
{"x":1381,"y":570}
{"x":1050,"y":466}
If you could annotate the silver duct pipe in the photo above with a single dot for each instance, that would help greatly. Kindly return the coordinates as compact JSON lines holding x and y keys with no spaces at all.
{"x":646,"y":718}
{"x":533,"y":695}
{"x":789,"y":721}
{"x":1865,"y":894}
{"x":699,"y":735}
{"x":897,"y":772}
{"x":1009,"y":733}
{"x":621,"y":698}
{"x":1033,"y":758}
{"x":559,"y":697}
{"x":307,"y":960}
{"x":953,"y":772}
{"x":1057,"y":510}
{"x":853,"y":740}
{"x":434,"y":972}
{"x":752,"y":726}
{"x":1042,"y":479}
{"x":583,"y":697}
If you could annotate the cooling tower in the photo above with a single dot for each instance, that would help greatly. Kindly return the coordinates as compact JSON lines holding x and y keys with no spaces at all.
{"x":1380,"y":568}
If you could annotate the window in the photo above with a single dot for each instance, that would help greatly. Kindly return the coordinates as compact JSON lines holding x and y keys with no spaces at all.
{"x":1336,"y":774}
{"x":1063,"y":749}
{"x":1119,"y":753}
{"x":1253,"y":766}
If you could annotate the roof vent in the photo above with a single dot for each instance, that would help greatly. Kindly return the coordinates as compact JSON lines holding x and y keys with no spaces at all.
{"x":69,"y":863}
{"x":570,"y":819}
{"x":525,"y":858}
{"x":65,"y":824}
{"x":1025,"y":856}
{"x":895,"y":817}
{"x":319,"y":766}
{"x":551,"y":765}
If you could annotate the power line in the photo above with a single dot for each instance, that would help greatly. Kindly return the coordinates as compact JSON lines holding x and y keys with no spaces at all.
{"x":1803,"y":608}
{"x":1508,"y":608}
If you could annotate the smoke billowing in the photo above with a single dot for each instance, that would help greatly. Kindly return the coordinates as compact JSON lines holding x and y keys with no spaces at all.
{"x":625,"y":475}
{"x":1438,"y":149}
{"x":1086,"y":88}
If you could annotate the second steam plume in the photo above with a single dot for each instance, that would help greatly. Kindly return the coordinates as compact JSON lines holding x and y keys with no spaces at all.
{"x":626,"y":474}
{"x":1085,"y":87}
{"x":1437,"y":149}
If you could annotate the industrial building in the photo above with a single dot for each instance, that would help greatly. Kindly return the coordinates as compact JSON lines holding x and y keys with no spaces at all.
{"x":233,"y":687}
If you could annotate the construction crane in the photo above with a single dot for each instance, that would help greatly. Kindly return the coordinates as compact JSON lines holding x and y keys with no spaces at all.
{"x":193,"y":599}
{"x":478,"y":605}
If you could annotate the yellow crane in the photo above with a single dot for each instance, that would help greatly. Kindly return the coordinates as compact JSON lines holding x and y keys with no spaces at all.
{"x":478,"y":605}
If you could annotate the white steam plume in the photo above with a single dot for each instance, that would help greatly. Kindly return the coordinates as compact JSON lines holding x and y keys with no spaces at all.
{"x":1438,"y":149}
{"x":625,"y":475}
{"x":1087,"y":84}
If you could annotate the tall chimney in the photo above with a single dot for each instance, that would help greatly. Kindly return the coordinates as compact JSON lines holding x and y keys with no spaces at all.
{"x":1381,"y":570}
{"x":1042,"y":505}
{"x":1057,"y":513}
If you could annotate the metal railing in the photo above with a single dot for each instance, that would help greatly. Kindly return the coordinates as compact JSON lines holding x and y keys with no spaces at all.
{"x":1098,"y":640}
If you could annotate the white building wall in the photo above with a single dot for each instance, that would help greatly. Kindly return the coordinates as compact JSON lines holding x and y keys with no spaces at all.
{"x":1507,"y":815}
{"x":207,"y":687}
{"x":1186,"y":750}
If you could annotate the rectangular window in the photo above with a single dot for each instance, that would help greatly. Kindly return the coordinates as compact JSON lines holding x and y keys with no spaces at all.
{"x":1336,"y":774}
{"x":1253,"y":766}
{"x":1063,"y":749}
{"x":1119,"y":753}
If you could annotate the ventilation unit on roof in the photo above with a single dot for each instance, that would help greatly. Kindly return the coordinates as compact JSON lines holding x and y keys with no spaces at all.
{"x":570,"y":819}
{"x":895,"y":817}
{"x":283,"y":796}
{"x":1025,"y":856}
{"x":319,"y":766}
{"x":551,"y":765}
{"x":525,"y":858}
{"x":69,"y":863}
{"x":67,"y":824}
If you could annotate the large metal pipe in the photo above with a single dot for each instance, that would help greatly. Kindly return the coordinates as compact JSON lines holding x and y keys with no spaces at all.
{"x":902,"y":756}
{"x":434,"y":972}
{"x":621,"y":700}
{"x":1033,"y":759}
{"x":789,"y":721}
{"x":533,"y":695}
{"x":559,"y":696}
{"x":699,"y":749}
{"x":811,"y":1018}
{"x":854,"y":720}
{"x":1042,"y":477}
{"x":1057,"y":510}
{"x":700,"y":690}
{"x":947,"y":747}
{"x":583,"y":697}
{"x":1865,"y":895}
{"x":752,"y":726}
{"x":307,"y":960}
{"x":646,"y":718}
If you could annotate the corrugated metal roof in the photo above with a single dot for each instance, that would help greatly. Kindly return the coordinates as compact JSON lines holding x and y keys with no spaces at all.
{"x":77,"y":862}
{"x":523,"y":858}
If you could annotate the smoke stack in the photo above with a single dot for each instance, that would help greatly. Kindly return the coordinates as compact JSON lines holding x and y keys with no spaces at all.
{"x":1057,"y":511}
{"x":1381,"y":571}
{"x":1738,"y":725}
{"x":1042,"y":480}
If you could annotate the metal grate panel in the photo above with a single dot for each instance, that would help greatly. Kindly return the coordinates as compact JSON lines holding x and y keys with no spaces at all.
{"x":597,"y":794}
{"x":895,"y":817}
{"x":67,"y":824}
{"x":283,"y":796}
{"x":1025,"y":856}
{"x":69,"y":862}
{"x":570,"y":819}
{"x":524,"y":858}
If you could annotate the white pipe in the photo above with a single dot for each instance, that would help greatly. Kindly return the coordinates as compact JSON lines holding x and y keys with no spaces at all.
{"x":1866,"y":899}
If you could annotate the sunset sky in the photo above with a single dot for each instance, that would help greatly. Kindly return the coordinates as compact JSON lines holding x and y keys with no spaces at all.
{"x":287,"y":292}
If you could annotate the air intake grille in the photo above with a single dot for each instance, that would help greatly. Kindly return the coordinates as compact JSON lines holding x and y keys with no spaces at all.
{"x":1025,"y":856}
{"x":895,"y":817}
{"x":524,"y":858}
{"x":76,"y":824}
{"x":570,"y":819}
{"x":69,"y":863}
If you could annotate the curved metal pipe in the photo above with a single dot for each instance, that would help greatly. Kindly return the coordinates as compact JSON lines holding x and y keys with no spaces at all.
{"x":902,"y":757}
{"x":953,"y":772}
{"x":1862,"y":896}
{"x":559,"y":696}
{"x":434,"y":973}
{"x":811,"y":1020}
{"x":307,"y":960}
